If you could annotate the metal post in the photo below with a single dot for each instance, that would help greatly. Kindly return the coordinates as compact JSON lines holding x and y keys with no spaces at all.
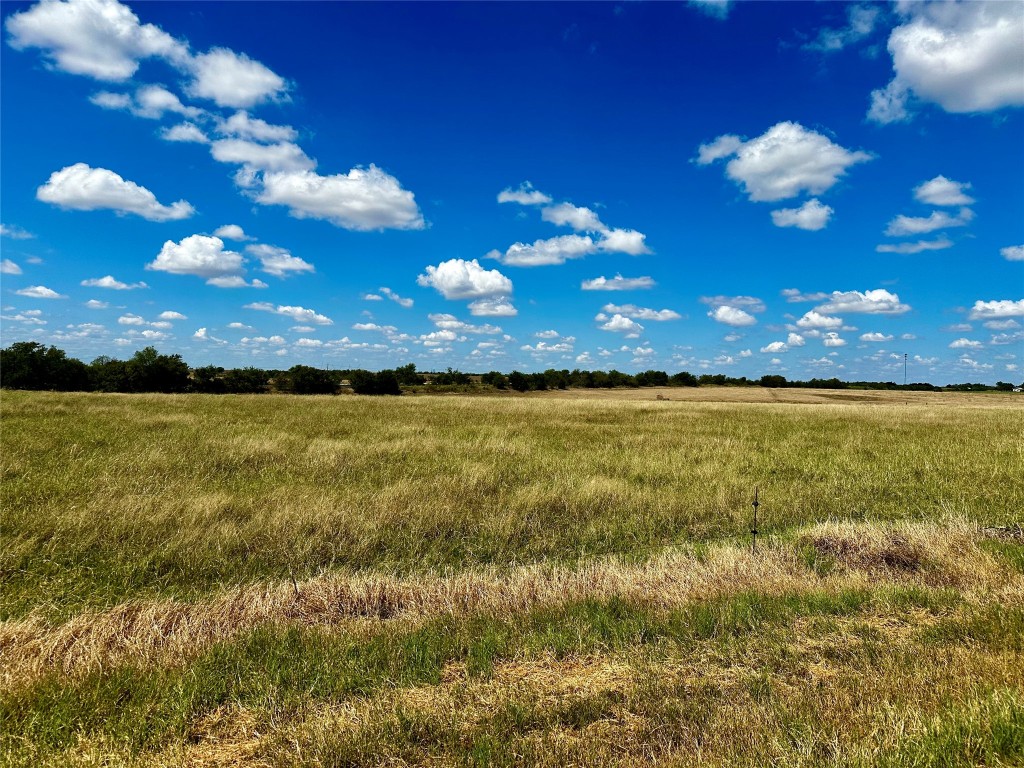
{"x":904,"y":369}
{"x":753,"y":530}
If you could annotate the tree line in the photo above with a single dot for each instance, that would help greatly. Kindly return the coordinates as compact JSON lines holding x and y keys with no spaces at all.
{"x":30,"y":365}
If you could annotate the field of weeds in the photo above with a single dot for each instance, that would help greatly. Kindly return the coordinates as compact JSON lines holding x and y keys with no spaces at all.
{"x":557,"y":579}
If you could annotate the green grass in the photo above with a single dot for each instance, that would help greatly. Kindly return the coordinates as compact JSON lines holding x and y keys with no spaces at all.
{"x":195,"y":492}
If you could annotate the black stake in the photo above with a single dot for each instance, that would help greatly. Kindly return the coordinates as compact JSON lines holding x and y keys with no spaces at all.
{"x":755,"y":505}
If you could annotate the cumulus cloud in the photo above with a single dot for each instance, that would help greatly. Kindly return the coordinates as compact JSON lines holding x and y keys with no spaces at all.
{"x":990,"y":310}
{"x":627,"y":241}
{"x":965,"y":57}
{"x":524,"y":195}
{"x":298,"y":314}
{"x":184,"y":133}
{"x":775,"y":347}
{"x":231,"y":79}
{"x":617,"y":283}
{"x":98,"y":38}
{"x":151,"y":102}
{"x":40,"y":292}
{"x":782,"y":163}
{"x":965,"y":344}
{"x":832,"y":339}
{"x":794,"y":295}
{"x":716,"y":9}
{"x":917,"y":225}
{"x":202,"y":334}
{"x":943,"y":191}
{"x":242,"y":125}
{"x":816,"y":320}
{"x":199,"y":255}
{"x":496,"y":306}
{"x":235,"y":281}
{"x":919,"y":247}
{"x":554,"y":250}
{"x":405,"y":303}
{"x":877,"y":337}
{"x":795,"y":340}
{"x":8,"y":267}
{"x":861,"y":23}
{"x":278,"y":262}
{"x":1012,"y":252}
{"x":231,"y":232}
{"x":461,"y":279}
{"x":641,"y":313}
{"x":580,"y":219}
{"x":449,"y":322}
{"x":748,"y":303}
{"x":620,"y":324}
{"x":94,"y":304}
{"x":255,"y":157}
{"x":733,"y":316}
{"x":109,"y":281}
{"x":876,"y":302}
{"x":812,"y":216}
{"x":170,"y":314}
{"x":82,"y":188}
{"x":363,"y":199}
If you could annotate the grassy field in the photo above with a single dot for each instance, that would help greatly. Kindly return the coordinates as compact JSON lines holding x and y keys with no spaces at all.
{"x":555,"y":579}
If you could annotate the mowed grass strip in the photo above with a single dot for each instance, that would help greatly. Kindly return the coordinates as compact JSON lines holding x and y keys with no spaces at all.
{"x":810,"y":676}
{"x":110,"y":497}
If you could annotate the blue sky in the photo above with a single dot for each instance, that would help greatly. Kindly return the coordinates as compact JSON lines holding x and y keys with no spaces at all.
{"x":811,"y":189}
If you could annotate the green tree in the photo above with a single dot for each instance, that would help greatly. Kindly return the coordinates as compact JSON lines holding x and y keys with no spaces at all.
{"x":149,"y":371}
{"x":30,"y":365}
{"x":306,"y":380}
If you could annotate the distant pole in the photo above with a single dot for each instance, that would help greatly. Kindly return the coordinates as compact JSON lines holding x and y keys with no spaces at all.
{"x":904,"y":369}
{"x":755,"y":505}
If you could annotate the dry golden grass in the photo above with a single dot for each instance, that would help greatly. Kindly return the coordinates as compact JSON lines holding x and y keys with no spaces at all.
{"x":942,"y":554}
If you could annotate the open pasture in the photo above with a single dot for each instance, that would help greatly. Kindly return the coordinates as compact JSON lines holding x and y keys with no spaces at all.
{"x":563,"y":578}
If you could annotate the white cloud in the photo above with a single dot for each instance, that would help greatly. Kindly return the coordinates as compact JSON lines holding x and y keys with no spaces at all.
{"x":151,"y":102}
{"x":203,"y":334}
{"x":921,"y":245}
{"x":498,"y":306}
{"x":28,"y":317}
{"x":172,"y":315}
{"x":943,"y":191}
{"x":733,"y":316}
{"x":877,"y":337}
{"x":986,"y":310}
{"x":372,"y":297}
{"x":542,"y":348}
{"x":580,"y":219}
{"x":232,"y":232}
{"x":405,"y":303}
{"x":916,"y":225}
{"x":832,"y":340}
{"x":627,"y":241}
{"x":794,"y":295}
{"x":795,"y":340}
{"x":8,"y":267}
{"x":862,"y":20}
{"x":278,"y":262}
{"x":817,"y":320}
{"x":110,"y":282}
{"x":235,"y":281}
{"x":784,"y":162}
{"x":244,"y":126}
{"x":749,"y":303}
{"x":965,"y":344}
{"x":878,"y":301}
{"x":298,"y":314}
{"x":199,"y":255}
{"x":811,"y":216}
{"x":363,"y":199}
{"x":94,"y":304}
{"x":461,"y":279}
{"x":641,"y":313}
{"x":525,"y":195}
{"x":185,"y":133}
{"x":232,"y":79}
{"x":554,"y":250}
{"x":254,"y":157}
{"x":449,"y":322}
{"x":374,"y":327}
{"x":617,"y":283}
{"x":1001,"y":325}
{"x":40,"y":292}
{"x":108,"y":100}
{"x":965,"y":57}
{"x":15,"y":233}
{"x":1012,"y":252}
{"x":552,"y":334}
{"x":717,"y":9}
{"x":130,"y":319}
{"x":98,"y":38}
{"x":83,"y":188}
{"x":242,"y":326}
{"x":775,"y":347}
{"x":620,"y":324}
